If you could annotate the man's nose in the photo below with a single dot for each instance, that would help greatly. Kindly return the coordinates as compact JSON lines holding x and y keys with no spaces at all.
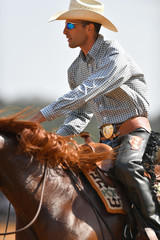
{"x":65,"y":30}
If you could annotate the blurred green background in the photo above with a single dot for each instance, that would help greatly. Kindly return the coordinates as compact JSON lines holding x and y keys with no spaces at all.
{"x":53,"y":125}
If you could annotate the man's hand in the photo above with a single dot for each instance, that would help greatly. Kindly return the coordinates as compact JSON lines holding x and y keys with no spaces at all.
{"x":38,"y":117}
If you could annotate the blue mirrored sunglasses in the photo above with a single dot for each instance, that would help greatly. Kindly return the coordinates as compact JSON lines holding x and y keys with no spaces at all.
{"x":70,"y":25}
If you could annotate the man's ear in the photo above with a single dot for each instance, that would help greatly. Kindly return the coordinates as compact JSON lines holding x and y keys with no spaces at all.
{"x":91,"y":27}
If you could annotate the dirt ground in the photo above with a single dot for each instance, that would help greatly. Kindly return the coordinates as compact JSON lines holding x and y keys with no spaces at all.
{"x":11,"y":227}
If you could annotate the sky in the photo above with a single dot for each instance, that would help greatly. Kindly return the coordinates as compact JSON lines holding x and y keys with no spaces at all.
{"x":34,"y":54}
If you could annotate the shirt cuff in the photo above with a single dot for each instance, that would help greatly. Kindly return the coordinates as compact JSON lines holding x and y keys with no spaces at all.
{"x":48,"y":113}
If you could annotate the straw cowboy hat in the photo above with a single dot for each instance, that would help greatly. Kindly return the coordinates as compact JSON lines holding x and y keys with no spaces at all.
{"x":88,"y":10}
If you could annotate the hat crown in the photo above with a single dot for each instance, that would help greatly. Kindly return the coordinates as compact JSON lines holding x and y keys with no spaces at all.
{"x":85,"y":10}
{"x":90,"y":5}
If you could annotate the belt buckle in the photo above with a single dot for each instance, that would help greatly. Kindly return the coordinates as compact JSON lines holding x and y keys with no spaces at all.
{"x":108,"y":130}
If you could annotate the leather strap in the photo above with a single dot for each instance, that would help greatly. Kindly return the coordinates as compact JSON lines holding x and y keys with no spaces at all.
{"x":134,"y":123}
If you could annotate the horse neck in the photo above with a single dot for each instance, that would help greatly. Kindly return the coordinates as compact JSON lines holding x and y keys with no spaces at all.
{"x":7,"y":150}
{"x":16,"y":171}
{"x":20,"y":178}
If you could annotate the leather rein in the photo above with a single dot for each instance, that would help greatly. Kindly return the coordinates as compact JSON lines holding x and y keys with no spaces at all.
{"x":43,"y":179}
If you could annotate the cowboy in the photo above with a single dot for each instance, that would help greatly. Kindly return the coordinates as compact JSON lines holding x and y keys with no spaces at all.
{"x":106,"y":82}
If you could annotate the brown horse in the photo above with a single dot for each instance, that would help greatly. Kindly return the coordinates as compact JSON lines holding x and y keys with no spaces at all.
{"x":66,"y":214}
{"x":25,"y":149}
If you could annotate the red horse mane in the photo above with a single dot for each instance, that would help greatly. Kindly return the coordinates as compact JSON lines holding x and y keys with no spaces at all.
{"x":48,"y":147}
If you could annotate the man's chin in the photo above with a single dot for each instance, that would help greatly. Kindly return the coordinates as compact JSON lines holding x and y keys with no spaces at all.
{"x":72,"y":46}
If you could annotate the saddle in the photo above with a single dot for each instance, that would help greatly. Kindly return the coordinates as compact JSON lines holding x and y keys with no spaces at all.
{"x":100,"y":178}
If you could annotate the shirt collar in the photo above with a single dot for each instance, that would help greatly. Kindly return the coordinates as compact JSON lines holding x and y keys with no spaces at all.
{"x":94,"y":50}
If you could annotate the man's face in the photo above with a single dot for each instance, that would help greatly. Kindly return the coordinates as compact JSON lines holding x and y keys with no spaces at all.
{"x":78,"y":34}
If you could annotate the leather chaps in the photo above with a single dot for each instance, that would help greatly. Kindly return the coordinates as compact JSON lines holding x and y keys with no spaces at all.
{"x":129,"y":171}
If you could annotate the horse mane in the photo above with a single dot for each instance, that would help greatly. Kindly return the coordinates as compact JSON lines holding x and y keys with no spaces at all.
{"x":47,"y":147}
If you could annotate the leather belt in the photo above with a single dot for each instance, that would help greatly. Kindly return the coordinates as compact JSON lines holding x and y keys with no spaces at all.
{"x":110,"y":131}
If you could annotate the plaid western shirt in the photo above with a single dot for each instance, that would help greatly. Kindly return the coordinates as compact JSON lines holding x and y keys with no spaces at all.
{"x":107,"y":83}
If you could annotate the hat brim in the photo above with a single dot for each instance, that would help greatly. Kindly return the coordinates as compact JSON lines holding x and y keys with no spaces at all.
{"x":85,"y":15}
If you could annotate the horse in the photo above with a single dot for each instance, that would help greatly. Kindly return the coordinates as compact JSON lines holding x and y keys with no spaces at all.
{"x":35,"y":170}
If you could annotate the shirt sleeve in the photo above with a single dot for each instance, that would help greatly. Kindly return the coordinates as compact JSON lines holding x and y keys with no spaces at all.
{"x":76,"y":121}
{"x":110,"y":74}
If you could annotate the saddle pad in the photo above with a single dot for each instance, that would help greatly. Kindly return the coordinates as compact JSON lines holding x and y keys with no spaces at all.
{"x":108,"y":194}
